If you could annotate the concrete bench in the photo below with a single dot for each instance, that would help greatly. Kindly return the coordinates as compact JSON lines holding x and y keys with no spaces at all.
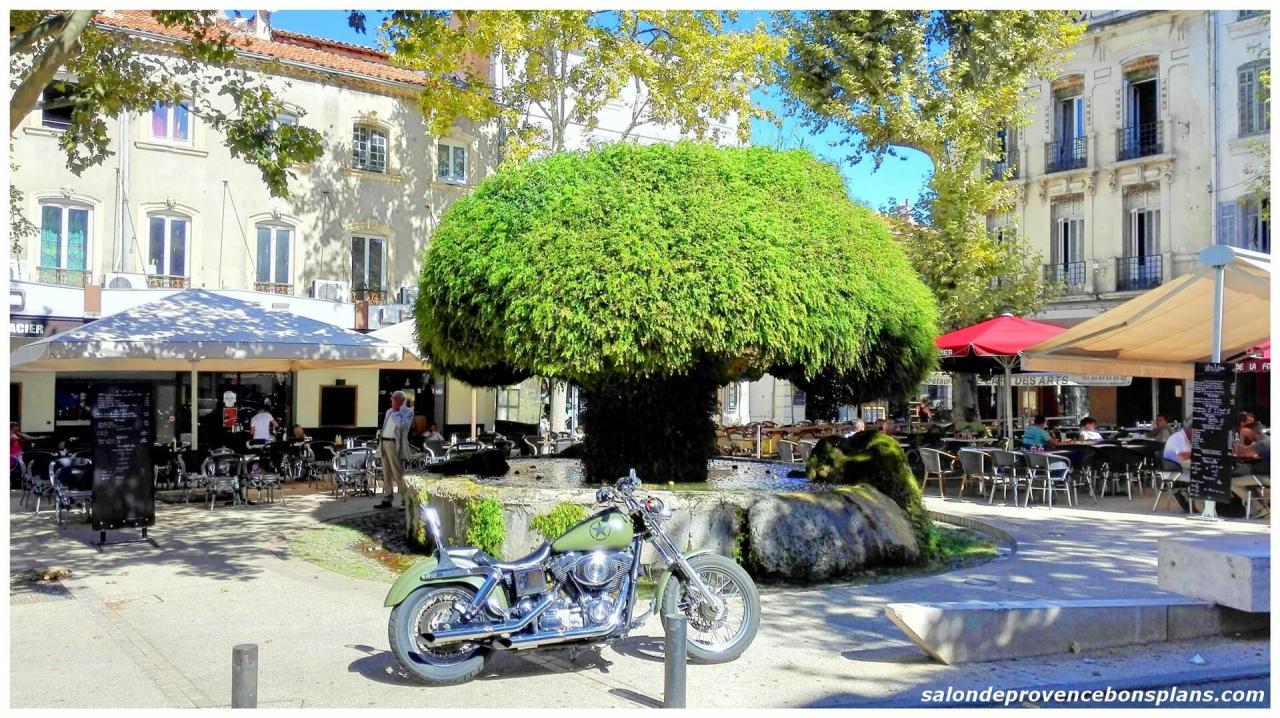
{"x":1232,"y":571}
{"x":975,"y":631}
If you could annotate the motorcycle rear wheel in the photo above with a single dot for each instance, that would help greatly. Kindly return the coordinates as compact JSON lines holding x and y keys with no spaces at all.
{"x":716,"y":639}
{"x":428,"y":608}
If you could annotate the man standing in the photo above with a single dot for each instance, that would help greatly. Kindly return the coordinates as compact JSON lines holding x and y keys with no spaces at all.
{"x":394,"y":447}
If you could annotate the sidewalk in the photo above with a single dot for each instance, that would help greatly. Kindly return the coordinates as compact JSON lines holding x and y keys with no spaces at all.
{"x":150,"y":627}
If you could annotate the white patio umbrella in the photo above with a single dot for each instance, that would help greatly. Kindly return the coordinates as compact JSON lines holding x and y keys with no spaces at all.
{"x":197,"y":330}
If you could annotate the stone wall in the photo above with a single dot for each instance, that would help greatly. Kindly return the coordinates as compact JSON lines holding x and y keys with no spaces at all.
{"x":792,"y":536}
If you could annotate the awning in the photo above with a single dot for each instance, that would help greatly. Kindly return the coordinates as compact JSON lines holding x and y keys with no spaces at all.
{"x":403,"y":335}
{"x":1163,"y":332}
{"x":199,"y":329}
{"x":1257,"y":360}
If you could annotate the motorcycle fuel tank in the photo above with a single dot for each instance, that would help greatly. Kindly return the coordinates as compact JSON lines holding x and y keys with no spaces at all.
{"x":607,"y":530}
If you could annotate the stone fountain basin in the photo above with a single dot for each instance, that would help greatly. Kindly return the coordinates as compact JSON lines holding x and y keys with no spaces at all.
{"x":808,"y":535}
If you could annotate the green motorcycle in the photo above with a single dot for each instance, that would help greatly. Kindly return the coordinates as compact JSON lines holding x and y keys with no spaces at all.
{"x":451,"y":611}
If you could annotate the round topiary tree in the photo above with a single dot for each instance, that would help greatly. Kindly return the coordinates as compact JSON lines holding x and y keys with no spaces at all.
{"x":649,"y":276}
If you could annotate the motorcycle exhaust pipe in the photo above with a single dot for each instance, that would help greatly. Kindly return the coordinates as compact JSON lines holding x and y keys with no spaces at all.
{"x":487,"y":630}
{"x":533,"y":640}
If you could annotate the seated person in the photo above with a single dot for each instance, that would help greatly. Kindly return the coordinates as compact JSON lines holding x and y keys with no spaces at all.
{"x":432,"y":434}
{"x":970,"y":424}
{"x":855,"y":426}
{"x":1178,"y":447}
{"x":1037,"y":436}
{"x":1253,"y":448}
{"x":298,"y":435}
{"x":1160,"y":430}
{"x":1089,"y":430}
{"x":889,"y":427}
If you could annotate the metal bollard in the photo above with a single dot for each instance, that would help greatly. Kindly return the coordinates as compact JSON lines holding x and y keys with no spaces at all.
{"x":244,"y":676}
{"x":676,"y":658}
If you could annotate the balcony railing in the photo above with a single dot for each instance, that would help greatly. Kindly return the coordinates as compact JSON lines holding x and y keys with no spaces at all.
{"x":273,"y":287}
{"x":64,"y":277}
{"x":1141,"y":140}
{"x":1069,"y":276}
{"x":997,"y":170}
{"x":1139,"y":273}
{"x":370,"y":295}
{"x":1064,"y":155}
{"x":164,"y":281}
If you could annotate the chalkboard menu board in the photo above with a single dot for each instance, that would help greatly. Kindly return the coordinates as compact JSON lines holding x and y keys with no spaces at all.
{"x":1213,"y":412}
{"x":123,"y":485}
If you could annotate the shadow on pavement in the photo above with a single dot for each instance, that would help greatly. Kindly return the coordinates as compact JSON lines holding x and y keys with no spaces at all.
{"x":888,"y":654}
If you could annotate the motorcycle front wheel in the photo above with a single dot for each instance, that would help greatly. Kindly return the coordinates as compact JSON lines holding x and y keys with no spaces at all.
{"x":427,"y":609}
{"x":716,"y":636}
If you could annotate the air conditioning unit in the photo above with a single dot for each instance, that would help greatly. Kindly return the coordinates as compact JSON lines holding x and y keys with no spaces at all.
{"x":330,"y":290}
{"x":120,"y":280}
{"x":409,"y":295}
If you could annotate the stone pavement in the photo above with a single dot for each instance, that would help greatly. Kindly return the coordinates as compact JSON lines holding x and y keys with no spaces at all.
{"x":139,"y":626}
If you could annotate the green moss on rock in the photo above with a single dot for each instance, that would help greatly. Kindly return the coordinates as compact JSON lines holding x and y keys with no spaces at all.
{"x":486,"y":527}
{"x":872,"y":458}
{"x":553,"y":524}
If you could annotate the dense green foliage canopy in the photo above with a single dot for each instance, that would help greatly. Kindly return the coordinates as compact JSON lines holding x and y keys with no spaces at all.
{"x":649,"y":262}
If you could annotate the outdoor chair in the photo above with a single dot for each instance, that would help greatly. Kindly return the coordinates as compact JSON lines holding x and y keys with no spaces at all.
{"x":37,"y":482}
{"x":935,"y":469}
{"x":1010,"y":470}
{"x":1118,"y":464}
{"x":263,"y":476}
{"x":1084,"y":462}
{"x":789,"y":451}
{"x":1169,"y":477}
{"x":318,"y":456}
{"x":350,"y":470}
{"x":978,"y":465}
{"x":1053,"y":472}
{"x":1257,"y":492}
{"x":72,"y":482}
{"x":222,"y":471}
{"x":806,"y":447}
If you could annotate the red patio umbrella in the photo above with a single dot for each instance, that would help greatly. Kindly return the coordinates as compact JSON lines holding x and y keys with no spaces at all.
{"x":1257,"y":359}
{"x":995,"y":343}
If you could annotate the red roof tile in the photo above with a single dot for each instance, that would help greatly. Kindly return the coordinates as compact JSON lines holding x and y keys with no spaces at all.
{"x":377,"y":67}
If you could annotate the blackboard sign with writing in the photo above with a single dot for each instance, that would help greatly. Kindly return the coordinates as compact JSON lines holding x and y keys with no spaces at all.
{"x":123,"y":485}
{"x":1213,"y":412}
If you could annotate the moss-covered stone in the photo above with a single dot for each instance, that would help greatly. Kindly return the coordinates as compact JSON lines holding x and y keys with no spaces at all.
{"x":872,"y":458}
{"x":556,"y":522}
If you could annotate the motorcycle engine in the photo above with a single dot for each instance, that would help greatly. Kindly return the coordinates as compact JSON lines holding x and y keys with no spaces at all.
{"x":589,"y":586}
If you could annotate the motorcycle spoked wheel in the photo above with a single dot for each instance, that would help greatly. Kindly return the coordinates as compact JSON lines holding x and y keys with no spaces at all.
{"x":428,"y":608}
{"x":716,"y":638}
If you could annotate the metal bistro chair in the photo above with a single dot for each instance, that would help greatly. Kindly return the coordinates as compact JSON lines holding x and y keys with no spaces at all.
{"x":789,"y":451}
{"x":1052,"y":471}
{"x":36,"y":481}
{"x":935,"y":470}
{"x":1010,"y":470}
{"x":72,"y":481}
{"x":222,"y":471}
{"x":1259,"y":492}
{"x":975,"y":464}
{"x":1119,"y":464}
{"x":319,"y":458}
{"x":350,"y":470}
{"x":262,"y":474}
{"x":1168,"y":479}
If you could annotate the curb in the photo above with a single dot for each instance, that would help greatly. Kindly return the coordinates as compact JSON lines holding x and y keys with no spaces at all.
{"x":1004,"y":537}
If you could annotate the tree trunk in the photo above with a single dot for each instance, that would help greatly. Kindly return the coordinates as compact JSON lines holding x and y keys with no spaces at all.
{"x":964,"y":394}
{"x":662,"y":428}
{"x":65,"y":45}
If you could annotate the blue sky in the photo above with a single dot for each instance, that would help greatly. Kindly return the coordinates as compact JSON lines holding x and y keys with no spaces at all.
{"x":896,"y":178}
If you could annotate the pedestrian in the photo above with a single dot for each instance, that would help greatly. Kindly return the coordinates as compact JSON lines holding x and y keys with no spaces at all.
{"x":394,"y":447}
{"x":16,"y":441}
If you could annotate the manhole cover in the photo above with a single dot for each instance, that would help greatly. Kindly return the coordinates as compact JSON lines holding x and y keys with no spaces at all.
{"x":38,"y":593}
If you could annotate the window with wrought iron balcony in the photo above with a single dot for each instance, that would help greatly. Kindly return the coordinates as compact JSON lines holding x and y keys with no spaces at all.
{"x":1066,"y":154}
{"x":1141,"y":140}
{"x":1067,"y":277}
{"x":1139,"y":273}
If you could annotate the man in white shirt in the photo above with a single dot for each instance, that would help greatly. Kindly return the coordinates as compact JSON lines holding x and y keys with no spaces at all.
{"x":394,"y":447}
{"x":1089,"y":429}
{"x":262,"y":424}
{"x":1178,"y":447}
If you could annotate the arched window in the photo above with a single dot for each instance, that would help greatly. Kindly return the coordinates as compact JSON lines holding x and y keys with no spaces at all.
{"x":275,"y":256}
{"x":168,"y":249}
{"x":64,"y":242}
{"x":369,"y":148}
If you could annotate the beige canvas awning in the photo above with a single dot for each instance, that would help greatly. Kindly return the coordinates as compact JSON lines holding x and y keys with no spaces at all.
{"x":406,"y":336}
{"x":1163,"y":332}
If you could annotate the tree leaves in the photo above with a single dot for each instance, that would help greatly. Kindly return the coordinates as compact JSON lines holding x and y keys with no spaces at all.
{"x":943,"y":83}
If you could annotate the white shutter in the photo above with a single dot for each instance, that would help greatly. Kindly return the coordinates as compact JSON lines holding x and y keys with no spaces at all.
{"x":1228,"y":223}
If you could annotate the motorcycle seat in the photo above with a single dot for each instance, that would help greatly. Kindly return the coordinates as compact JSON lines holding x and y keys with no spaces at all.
{"x":482,"y":558}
